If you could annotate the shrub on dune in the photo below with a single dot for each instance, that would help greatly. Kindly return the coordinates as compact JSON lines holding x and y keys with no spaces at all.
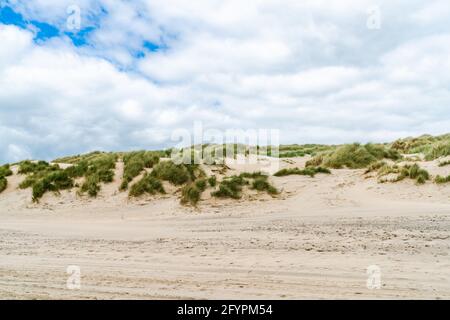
{"x":444,"y":163}
{"x":408,"y":171}
{"x":252,"y":175}
{"x":438,"y":150}
{"x":78,"y":170}
{"x":230,"y":187}
{"x":212,"y":181}
{"x":354,"y":156}
{"x":26,"y":167}
{"x":262,"y":184}
{"x":135,"y":163}
{"x":190,"y":194}
{"x":201,"y":184}
{"x":99,"y":170}
{"x":53,"y":181}
{"x":105,"y":175}
{"x":3,"y":184}
{"x":147,"y":184}
{"x":442,"y":180}
{"x":308,"y":171}
{"x":176,"y":174}
{"x":5,"y":171}
{"x":91,"y":185}
{"x":375,"y":166}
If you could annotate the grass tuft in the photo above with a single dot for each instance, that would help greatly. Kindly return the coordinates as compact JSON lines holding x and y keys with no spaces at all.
{"x":147,"y":184}
{"x":212,"y":181}
{"x":442,"y":180}
{"x":408,"y":171}
{"x":354,"y":156}
{"x":3,"y":184}
{"x":262,"y":184}
{"x":191,"y":194}
{"x":444,"y":163}
{"x":308,"y":171}
{"x":135,"y":163}
{"x":177,"y":174}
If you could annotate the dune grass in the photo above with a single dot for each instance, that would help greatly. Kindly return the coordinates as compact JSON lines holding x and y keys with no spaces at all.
{"x":99,"y":170}
{"x":91,"y":185}
{"x":212,"y":181}
{"x":295,"y":150}
{"x":231,"y":187}
{"x":135,"y":163}
{"x":5,"y":171}
{"x":308,"y":171}
{"x":27,"y":167}
{"x":407,"y":171}
{"x":147,"y":184}
{"x":177,"y":174}
{"x":43,"y":177}
{"x":444,"y":163}
{"x":190,"y":176}
{"x":190,"y":194}
{"x":262,"y":184}
{"x":441,"y":180}
{"x":53,"y":181}
{"x":354,"y":156}
{"x":438,"y":150}
{"x":376,"y":166}
{"x":432,"y":147}
{"x":3,"y":184}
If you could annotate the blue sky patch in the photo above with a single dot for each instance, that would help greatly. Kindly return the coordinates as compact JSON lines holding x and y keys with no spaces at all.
{"x":43,"y":31}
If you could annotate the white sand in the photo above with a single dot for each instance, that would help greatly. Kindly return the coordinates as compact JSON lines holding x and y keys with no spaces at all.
{"x":314,"y":241}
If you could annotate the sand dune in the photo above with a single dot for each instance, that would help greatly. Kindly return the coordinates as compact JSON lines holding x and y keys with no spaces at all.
{"x":315,"y":240}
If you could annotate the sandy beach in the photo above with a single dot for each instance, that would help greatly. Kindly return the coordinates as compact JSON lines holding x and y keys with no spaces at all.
{"x":315,"y":240}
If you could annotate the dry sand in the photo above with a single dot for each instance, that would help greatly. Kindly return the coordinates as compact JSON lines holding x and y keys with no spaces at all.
{"x":315,"y":240}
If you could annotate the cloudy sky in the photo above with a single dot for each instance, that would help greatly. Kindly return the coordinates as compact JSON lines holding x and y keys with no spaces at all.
{"x":133,"y":71}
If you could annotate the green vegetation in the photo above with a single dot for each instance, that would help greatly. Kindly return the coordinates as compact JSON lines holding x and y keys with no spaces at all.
{"x":190,"y":194}
{"x":177,"y":174}
{"x":201,"y":184}
{"x":295,"y":150}
{"x":27,"y":167}
{"x":3,"y":184}
{"x":231,"y":187}
{"x":438,"y":150}
{"x":43,"y":177}
{"x":135,"y":163}
{"x":91,"y":185}
{"x":53,"y":181}
{"x":262,"y":184}
{"x":99,"y":169}
{"x":308,"y":171}
{"x":190,"y":176}
{"x":376,"y":166}
{"x":5,"y":171}
{"x":408,"y":171}
{"x":354,"y":156}
{"x":147,"y":184}
{"x":444,"y":163}
{"x":432,"y":147}
{"x":442,"y":180}
{"x":212,"y":181}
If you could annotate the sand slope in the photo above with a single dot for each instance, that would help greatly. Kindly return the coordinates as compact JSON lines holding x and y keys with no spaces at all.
{"x":314,"y":241}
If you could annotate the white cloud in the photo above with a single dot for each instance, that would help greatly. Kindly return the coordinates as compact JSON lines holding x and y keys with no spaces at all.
{"x":309,"y":68}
